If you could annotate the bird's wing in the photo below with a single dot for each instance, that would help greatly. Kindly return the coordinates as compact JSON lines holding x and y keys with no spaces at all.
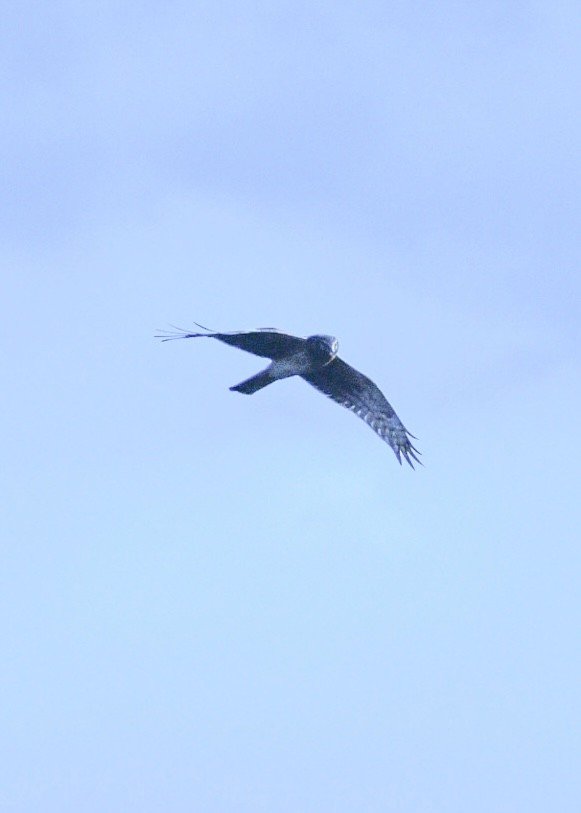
{"x":356,"y":392}
{"x":267,"y":341}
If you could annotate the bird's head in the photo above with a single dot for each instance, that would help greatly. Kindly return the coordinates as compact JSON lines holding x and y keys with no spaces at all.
{"x":322,"y":349}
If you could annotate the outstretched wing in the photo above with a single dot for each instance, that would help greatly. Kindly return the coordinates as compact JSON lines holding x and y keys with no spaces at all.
{"x":266,"y":341}
{"x":356,"y":392}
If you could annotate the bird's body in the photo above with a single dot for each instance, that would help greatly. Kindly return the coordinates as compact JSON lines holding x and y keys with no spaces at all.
{"x":315,"y":360}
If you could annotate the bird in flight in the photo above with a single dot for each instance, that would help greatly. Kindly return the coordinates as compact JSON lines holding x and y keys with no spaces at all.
{"x":315,"y":360}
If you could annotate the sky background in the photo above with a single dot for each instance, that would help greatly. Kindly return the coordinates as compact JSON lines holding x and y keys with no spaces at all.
{"x":218,"y":603}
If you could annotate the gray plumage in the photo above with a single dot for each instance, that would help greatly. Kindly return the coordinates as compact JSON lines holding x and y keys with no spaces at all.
{"x":315,"y":360}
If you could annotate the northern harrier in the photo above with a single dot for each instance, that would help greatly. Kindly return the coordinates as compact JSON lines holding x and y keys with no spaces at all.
{"x":315,"y":359}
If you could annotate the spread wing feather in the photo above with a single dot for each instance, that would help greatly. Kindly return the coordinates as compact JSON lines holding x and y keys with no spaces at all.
{"x":356,"y":392}
{"x":267,"y":341}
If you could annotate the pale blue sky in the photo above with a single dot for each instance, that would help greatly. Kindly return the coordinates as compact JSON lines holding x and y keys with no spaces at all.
{"x":219,"y":603}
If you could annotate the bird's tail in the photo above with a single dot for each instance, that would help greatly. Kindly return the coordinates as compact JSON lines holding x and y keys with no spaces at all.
{"x":252,"y":385}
